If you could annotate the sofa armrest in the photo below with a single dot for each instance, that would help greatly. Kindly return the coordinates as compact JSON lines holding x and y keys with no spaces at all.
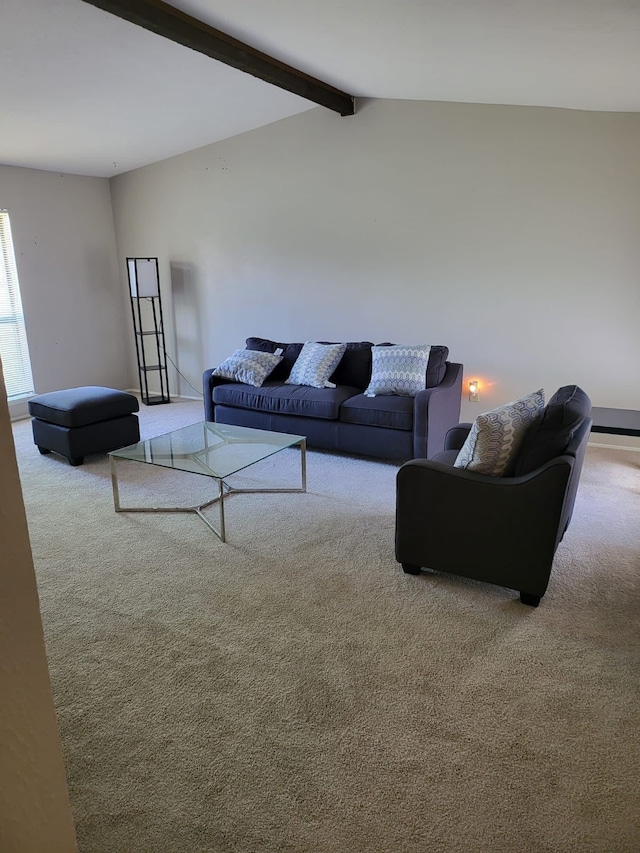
{"x":457,"y":436}
{"x":209,"y":382}
{"x":435,"y":411}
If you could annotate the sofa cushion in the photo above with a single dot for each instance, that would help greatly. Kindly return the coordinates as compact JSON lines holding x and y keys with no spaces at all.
{"x":354,"y":368}
{"x":280,"y":398}
{"x":437,"y":366}
{"x":389,"y":411}
{"x":290,"y":353}
{"x":399,"y":369}
{"x":495,"y":438}
{"x":549,"y":438}
{"x":315,"y":364}
{"x":249,"y":366}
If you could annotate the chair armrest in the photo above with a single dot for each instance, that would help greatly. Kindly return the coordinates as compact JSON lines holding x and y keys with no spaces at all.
{"x":434,"y":488}
{"x":457,"y":436}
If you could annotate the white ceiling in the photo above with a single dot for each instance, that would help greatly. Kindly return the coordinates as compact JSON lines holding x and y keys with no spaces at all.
{"x":87,"y":93}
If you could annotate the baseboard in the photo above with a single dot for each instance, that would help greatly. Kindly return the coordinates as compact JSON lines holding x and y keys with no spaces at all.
{"x":138,"y":393}
{"x":19,"y":409}
{"x":634,"y":444}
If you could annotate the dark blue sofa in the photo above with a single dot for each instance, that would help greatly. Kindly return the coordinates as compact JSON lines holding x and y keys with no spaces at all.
{"x":342,"y":418}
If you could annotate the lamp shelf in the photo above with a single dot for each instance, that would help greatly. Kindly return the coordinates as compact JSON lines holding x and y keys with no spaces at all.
{"x":156,"y":401}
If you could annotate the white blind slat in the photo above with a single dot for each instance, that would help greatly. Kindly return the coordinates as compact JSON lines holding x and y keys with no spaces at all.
{"x":14,"y":350}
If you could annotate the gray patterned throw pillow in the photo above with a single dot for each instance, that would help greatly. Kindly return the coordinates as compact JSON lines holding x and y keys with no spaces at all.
{"x":315,"y":364}
{"x":495,"y":437}
{"x":398,"y":370}
{"x":248,"y":366}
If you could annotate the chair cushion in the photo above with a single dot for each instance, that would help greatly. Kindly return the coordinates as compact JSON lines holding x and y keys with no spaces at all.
{"x":391,"y":412}
{"x":549,"y":438}
{"x":446,"y":457}
{"x":496,"y":436}
{"x":88,"y":404}
{"x":280,"y":398}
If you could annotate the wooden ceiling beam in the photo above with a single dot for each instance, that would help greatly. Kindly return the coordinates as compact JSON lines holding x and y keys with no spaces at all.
{"x":165,"y":20}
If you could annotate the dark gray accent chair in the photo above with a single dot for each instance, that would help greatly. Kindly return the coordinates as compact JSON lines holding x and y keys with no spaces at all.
{"x":502,"y":530}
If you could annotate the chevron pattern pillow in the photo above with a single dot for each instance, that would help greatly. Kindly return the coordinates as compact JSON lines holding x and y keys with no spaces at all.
{"x":495,"y":437}
{"x":248,"y":366}
{"x":315,"y":364}
{"x":398,"y":370}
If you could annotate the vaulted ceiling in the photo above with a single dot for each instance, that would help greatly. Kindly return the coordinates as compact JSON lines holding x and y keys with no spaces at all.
{"x":86,"y":92}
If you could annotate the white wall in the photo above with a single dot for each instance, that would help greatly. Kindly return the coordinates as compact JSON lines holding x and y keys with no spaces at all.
{"x":77,"y":326}
{"x":509,"y":234}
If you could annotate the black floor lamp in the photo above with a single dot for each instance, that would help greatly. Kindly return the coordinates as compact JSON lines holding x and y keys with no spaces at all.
{"x":148,"y":327}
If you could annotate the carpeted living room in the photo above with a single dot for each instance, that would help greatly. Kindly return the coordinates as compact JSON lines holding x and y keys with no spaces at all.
{"x":292,"y":688}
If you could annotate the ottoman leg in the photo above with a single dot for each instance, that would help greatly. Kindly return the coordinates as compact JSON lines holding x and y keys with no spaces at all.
{"x":44,"y":450}
{"x":76,"y":460}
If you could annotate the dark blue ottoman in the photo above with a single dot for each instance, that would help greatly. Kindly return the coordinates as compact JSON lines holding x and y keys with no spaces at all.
{"x":78,"y":421}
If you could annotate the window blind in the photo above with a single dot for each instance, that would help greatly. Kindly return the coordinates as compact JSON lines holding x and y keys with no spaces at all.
{"x":13,"y":337}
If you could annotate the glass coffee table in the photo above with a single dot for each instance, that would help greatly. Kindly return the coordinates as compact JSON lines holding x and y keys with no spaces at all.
{"x":213,"y":450}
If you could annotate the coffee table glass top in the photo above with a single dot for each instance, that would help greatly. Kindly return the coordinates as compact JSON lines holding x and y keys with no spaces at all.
{"x":216,"y":450}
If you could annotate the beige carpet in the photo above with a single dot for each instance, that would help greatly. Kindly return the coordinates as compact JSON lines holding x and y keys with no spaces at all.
{"x":293,"y":690}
